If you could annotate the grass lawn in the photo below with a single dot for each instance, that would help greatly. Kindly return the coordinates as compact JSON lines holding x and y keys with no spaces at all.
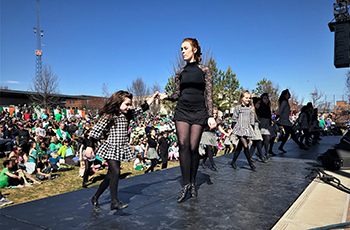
{"x":68,"y":181}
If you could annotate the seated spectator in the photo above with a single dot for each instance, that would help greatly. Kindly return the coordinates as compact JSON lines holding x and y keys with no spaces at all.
{"x":5,"y":141}
{"x":55,"y":145}
{"x":44,"y":115}
{"x":138,"y":162}
{"x":72,"y":128}
{"x":27,"y":116}
{"x":67,"y":152}
{"x":41,"y":150}
{"x":18,"y":152}
{"x":43,"y":170}
{"x":40,"y":131}
{"x":22,"y":172}
{"x":32,"y":161}
{"x":61,"y":133}
{"x":8,"y":178}
{"x":22,"y":137}
{"x":58,"y":116}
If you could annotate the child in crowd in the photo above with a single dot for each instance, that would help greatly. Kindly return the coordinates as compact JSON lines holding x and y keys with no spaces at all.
{"x":138,"y":162}
{"x":67,"y":152}
{"x":43,"y":168}
{"x":228,"y":143}
{"x":174,"y":152}
{"x":31,"y":163}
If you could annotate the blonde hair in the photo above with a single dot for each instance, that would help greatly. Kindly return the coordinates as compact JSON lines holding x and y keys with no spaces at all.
{"x":240,"y":101}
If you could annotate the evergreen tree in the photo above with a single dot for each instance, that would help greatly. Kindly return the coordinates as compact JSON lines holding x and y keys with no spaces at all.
{"x":267,"y":86}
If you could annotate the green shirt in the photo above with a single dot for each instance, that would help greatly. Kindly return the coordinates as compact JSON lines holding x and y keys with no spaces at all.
{"x":58,"y":117}
{"x":3,"y":178}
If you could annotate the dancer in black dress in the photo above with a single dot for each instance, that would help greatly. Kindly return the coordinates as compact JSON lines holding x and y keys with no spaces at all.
{"x":193,"y":91}
{"x":114,"y":118}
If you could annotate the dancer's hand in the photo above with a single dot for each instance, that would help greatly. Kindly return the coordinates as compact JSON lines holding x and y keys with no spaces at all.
{"x":162,"y":96}
{"x":153,"y":98}
{"x":211,"y":123}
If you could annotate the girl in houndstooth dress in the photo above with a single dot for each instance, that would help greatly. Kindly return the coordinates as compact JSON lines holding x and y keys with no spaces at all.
{"x":114,"y":118}
{"x":243,"y":120}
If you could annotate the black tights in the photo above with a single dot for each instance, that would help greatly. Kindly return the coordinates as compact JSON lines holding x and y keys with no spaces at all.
{"x":289,"y":131}
{"x":111,"y":180}
{"x":258,"y":145}
{"x":87,"y":170}
{"x":243,"y":142}
{"x":189,"y":137}
{"x":209,"y":154}
{"x":153,"y":165}
{"x":266,"y":140}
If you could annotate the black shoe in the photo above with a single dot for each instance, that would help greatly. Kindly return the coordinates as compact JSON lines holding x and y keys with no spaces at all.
{"x":272,"y":153}
{"x":215,"y":167}
{"x":96,"y":206}
{"x":303,"y":147}
{"x":252,"y":167}
{"x":183,"y":193}
{"x":193,"y":190}
{"x":252,"y":160}
{"x":116,"y":204}
{"x":262,"y":158}
{"x":233,"y":165}
{"x":203,"y":165}
{"x":281,"y":149}
{"x":84,"y":184}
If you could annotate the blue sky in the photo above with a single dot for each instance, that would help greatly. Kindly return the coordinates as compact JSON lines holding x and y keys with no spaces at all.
{"x":91,"y":42}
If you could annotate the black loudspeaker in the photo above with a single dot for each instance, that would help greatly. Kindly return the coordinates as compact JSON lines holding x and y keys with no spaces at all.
{"x":339,"y":157}
{"x":344,"y":156}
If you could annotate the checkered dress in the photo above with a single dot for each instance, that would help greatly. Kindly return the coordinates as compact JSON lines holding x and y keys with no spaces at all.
{"x":244,"y":119}
{"x":117,"y":146}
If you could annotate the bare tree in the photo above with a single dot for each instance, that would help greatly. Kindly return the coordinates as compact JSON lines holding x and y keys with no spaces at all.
{"x":325,"y":105}
{"x":316,"y":95}
{"x":295,"y":102}
{"x":139,"y":89}
{"x":105,"y":92}
{"x":45,"y":88}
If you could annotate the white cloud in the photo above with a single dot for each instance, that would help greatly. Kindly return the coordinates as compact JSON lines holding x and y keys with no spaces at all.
{"x":13,"y":82}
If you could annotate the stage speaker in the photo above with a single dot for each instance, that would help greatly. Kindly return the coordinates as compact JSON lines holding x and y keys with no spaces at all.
{"x":343,"y":152}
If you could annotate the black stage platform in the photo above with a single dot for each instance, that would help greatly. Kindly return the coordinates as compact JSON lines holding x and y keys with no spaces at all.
{"x":227,"y":199}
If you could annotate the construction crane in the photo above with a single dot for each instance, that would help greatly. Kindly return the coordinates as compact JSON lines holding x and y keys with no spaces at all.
{"x":39,"y":34}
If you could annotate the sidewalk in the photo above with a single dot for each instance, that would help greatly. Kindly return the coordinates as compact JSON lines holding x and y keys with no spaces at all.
{"x":276,"y":196}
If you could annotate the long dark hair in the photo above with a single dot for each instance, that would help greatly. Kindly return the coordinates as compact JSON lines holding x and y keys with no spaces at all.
{"x":283,"y":96}
{"x":112,"y":106}
{"x":265,"y":95}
